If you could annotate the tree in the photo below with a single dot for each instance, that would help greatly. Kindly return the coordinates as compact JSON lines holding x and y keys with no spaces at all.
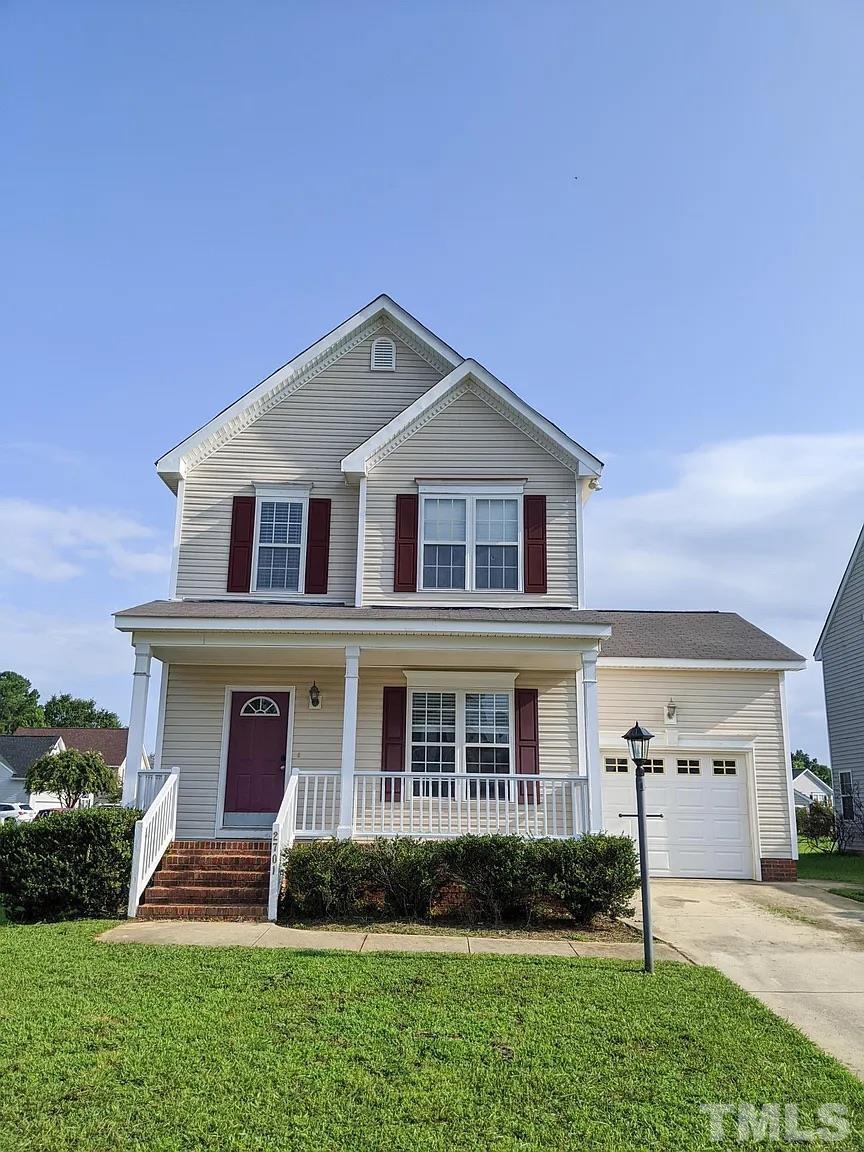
{"x":72,"y":712}
{"x":71,"y":774}
{"x":19,"y":704}
{"x":801,"y":760}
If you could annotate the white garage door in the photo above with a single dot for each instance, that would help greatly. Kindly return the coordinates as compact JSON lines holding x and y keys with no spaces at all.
{"x":702,"y":802}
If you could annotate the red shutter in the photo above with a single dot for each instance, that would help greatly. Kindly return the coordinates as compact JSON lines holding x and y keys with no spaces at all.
{"x":393,"y":739}
{"x":527,"y":742}
{"x":405,"y":568}
{"x":317,"y":546}
{"x":240,"y":550}
{"x":534,"y":524}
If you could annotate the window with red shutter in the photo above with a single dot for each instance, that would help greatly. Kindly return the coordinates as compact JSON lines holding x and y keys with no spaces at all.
{"x":240,"y":548}
{"x":317,"y":547}
{"x":405,"y":566}
{"x":534,"y":546}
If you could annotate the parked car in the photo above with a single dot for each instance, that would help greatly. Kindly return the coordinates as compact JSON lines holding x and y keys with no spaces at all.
{"x":13,"y":811}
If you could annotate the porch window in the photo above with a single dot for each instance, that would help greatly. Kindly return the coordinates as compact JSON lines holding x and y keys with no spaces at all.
{"x":471,"y":541}
{"x":280,"y":545}
{"x":847,"y":800}
{"x":460,"y":732}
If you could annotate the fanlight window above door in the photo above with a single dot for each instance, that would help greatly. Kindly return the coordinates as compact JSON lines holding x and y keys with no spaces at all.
{"x":260,"y":706}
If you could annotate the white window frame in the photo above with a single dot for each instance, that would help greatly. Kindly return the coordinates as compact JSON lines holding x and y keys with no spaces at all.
{"x":286,"y":495}
{"x":470,"y":493}
{"x":461,"y":684}
{"x":844,"y":795}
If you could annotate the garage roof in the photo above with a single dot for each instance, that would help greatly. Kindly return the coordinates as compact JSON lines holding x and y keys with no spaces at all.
{"x":635,"y":635}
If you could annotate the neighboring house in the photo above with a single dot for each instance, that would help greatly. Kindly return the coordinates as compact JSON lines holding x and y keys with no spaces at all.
{"x":841,"y":651}
{"x":810,"y":789}
{"x":17,"y":754}
{"x":376,"y":626}
{"x":110,"y":743}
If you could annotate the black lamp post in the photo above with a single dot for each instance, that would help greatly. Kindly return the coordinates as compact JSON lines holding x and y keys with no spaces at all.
{"x":638,"y":739}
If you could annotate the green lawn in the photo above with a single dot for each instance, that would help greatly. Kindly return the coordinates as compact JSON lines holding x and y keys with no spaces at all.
{"x":105,"y":1048}
{"x":830,"y":866}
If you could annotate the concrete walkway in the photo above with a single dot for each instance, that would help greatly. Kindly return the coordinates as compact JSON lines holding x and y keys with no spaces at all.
{"x":796,"y":947}
{"x":273,"y":936}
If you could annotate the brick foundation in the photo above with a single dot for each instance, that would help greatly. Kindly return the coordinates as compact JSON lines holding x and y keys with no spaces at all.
{"x":779,"y":870}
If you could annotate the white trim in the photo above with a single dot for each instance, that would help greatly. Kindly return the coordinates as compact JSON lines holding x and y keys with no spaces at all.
{"x":357,"y":463}
{"x":280,"y":593}
{"x":178,"y":532}
{"x":787,"y":759}
{"x":235,"y":830}
{"x":361,"y":544}
{"x":164,"y":669}
{"x":468,"y":488}
{"x":373,"y":367}
{"x":174,"y":463}
{"x":731,"y":665}
{"x":581,"y":487}
{"x":281,"y":491}
{"x":137,"y":721}
{"x":593,"y":760}
{"x":471,"y":494}
{"x":835,"y":603}
{"x":345,"y":828}
{"x":398,"y":624}
{"x":478,"y":681}
{"x":698,"y":742}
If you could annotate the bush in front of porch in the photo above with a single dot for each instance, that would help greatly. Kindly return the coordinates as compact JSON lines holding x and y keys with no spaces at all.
{"x":469,"y":879}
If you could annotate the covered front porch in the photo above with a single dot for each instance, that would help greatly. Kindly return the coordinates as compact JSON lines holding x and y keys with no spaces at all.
{"x":280,"y":733}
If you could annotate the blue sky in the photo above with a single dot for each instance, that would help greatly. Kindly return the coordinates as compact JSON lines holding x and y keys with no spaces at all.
{"x":645,"y":218}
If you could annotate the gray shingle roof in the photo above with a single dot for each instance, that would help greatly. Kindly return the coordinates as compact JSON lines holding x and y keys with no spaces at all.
{"x":658,"y":635}
{"x":20,"y":752}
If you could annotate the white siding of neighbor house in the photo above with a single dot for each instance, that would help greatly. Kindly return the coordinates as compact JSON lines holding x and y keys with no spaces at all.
{"x":469,"y":439}
{"x":301,"y":440}
{"x":722,"y":704}
{"x":843,"y":677}
{"x":194,"y":714}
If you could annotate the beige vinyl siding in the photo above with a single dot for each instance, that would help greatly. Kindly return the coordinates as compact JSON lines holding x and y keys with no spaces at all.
{"x":192,"y":735}
{"x":469,"y":439}
{"x":843,"y":676}
{"x":722,"y":704}
{"x":301,"y":440}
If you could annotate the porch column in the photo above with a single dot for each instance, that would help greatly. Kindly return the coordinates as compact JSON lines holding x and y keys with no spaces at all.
{"x":137,"y":722}
{"x":349,"y":742}
{"x":592,"y":741}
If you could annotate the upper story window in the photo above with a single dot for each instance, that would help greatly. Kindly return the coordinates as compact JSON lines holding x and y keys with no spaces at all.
{"x":280,"y":541}
{"x":383,"y":357}
{"x":471,"y":540}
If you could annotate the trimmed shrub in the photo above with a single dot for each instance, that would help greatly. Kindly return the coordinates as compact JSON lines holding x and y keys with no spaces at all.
{"x":327,"y":878}
{"x":406,"y":873}
{"x":68,"y":864}
{"x":496,"y":874}
{"x":596,"y":875}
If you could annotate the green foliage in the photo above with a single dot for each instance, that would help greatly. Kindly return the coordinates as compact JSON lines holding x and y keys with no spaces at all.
{"x":801,"y":760}
{"x":818,"y":825}
{"x":71,"y":774}
{"x":485,"y":878}
{"x":596,"y":875}
{"x":405,"y":872}
{"x":68,"y":864}
{"x":19,"y":704}
{"x":326,"y":878}
{"x":66,"y":711}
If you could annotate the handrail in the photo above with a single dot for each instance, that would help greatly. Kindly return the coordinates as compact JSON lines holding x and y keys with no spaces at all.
{"x":153,"y":834}
{"x":283,"y":837}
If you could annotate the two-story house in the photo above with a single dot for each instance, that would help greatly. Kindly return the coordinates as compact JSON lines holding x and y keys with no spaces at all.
{"x":376,"y":626}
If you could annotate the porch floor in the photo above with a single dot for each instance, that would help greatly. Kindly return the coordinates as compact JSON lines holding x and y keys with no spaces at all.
{"x":245,"y":935}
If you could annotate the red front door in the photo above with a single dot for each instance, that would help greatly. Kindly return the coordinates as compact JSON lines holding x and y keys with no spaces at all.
{"x":258,"y":733}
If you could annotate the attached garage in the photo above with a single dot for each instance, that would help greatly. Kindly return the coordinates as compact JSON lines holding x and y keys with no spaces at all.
{"x":701,"y":812}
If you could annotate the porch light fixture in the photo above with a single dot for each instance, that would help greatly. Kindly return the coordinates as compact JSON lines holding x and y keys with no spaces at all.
{"x":671,"y":710}
{"x":314,"y":696}
{"x":638,"y":740}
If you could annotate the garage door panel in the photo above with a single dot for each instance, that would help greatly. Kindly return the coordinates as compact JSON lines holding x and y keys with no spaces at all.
{"x":705,"y":825}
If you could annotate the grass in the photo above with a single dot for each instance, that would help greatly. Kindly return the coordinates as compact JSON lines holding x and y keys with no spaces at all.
{"x":130,"y":1047}
{"x":849,"y":893}
{"x":830,"y":866}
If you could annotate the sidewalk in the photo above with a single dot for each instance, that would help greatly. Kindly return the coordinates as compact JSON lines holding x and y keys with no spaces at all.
{"x":267,"y":935}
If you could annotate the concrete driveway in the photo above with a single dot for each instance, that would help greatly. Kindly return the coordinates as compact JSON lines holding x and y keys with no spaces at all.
{"x":796,"y":947}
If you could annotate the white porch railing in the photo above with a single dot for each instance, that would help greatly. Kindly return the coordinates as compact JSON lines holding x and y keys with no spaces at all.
{"x":440,"y":806}
{"x":318,"y":795}
{"x":282,"y":838}
{"x":147,"y":786}
{"x":153,"y":833}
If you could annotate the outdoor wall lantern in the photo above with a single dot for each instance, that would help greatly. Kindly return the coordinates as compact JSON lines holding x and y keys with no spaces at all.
{"x":638,"y":740}
{"x":314,"y":696}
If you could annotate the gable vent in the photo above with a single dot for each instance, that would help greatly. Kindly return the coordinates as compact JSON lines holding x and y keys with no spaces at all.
{"x":383,"y":355}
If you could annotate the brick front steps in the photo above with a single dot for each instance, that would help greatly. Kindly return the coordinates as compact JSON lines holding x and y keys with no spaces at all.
{"x":209,"y":880}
